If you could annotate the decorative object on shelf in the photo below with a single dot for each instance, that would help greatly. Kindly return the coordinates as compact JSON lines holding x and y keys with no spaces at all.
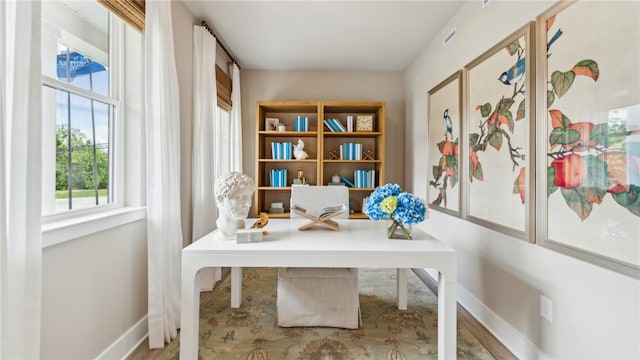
{"x":364,"y":122}
{"x":368,"y":155}
{"x":276,"y":208}
{"x":282,"y":127}
{"x":400,"y":208}
{"x":262,"y":222}
{"x":298,"y":151}
{"x":270,"y":124}
{"x":334,"y":154}
{"x":335,"y":178}
{"x":300,"y":180}
{"x":233,"y":193}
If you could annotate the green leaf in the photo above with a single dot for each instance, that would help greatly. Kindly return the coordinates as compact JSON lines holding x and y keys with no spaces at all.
{"x":561,"y":82}
{"x":504,"y":104}
{"x":551,"y":97}
{"x":477,"y":172}
{"x":509,"y":117}
{"x":495,"y":140}
{"x":563,"y":137}
{"x":604,"y":135}
{"x":440,"y":145}
{"x":485,"y":109}
{"x":521,"y":112}
{"x":473,"y":138}
{"x":629,"y":200}
{"x":597,"y":174}
{"x":587,"y":68}
{"x":454,"y":180}
{"x":551,"y":185}
{"x":577,"y":203}
{"x":592,"y":194}
{"x":513,"y":47}
{"x":437,"y":171}
{"x":452,"y":161}
{"x":516,"y":186}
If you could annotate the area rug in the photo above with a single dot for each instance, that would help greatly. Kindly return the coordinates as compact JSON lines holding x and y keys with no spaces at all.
{"x":250,"y":332}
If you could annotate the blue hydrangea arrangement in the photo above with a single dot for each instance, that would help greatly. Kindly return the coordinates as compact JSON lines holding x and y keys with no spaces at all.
{"x":390,"y":202}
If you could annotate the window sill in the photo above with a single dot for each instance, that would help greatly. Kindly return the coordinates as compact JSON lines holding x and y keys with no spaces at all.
{"x":65,"y":230}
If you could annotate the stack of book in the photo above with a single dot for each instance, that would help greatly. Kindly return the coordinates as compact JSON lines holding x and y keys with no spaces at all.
{"x":278,"y":178}
{"x":364,"y":178}
{"x":301,"y":123}
{"x":350,"y":151}
{"x":281,"y":151}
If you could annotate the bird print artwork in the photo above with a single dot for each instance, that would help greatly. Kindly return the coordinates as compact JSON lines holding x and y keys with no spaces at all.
{"x":514,"y":74}
{"x":553,"y":39}
{"x":448,"y":124}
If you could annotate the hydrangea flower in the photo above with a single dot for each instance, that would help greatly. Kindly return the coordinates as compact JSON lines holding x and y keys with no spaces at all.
{"x":390,"y":202}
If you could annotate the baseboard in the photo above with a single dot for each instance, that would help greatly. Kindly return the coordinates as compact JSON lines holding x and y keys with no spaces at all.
{"x":512,"y":339}
{"x":128,"y":342}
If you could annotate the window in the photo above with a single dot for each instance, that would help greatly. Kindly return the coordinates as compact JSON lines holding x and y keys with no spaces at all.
{"x":80,"y":106}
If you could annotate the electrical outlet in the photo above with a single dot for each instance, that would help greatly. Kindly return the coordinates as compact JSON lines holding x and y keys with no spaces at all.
{"x":546,"y":308}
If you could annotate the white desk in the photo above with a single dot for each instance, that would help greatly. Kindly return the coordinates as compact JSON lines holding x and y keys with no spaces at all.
{"x":359,"y":243}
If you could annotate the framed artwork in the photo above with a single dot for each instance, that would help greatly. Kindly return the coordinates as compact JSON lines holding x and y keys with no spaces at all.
{"x":271,"y":124}
{"x":444,"y":129}
{"x":500,"y":135}
{"x":589,"y":132}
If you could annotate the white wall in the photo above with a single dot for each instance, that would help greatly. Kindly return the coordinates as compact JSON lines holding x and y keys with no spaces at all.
{"x":596,"y":312}
{"x":94,"y":288}
{"x":326,"y":86}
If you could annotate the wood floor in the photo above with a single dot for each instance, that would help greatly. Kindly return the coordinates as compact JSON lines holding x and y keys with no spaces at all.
{"x":487,"y":339}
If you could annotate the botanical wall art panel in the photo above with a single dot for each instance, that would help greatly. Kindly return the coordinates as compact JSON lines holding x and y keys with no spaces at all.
{"x":500,"y":134}
{"x":445,"y":119}
{"x":590,"y":147}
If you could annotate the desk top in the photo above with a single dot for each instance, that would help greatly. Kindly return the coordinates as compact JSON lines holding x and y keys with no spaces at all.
{"x":358,"y":243}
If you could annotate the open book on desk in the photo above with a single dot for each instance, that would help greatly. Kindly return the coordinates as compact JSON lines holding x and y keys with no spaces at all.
{"x":322,"y":218}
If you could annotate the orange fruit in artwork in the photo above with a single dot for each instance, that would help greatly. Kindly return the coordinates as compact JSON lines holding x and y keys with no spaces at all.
{"x":455,"y":150}
{"x":619,"y":166}
{"x":447,"y":148}
{"x":521,"y":183}
{"x":473,"y":157}
{"x":570,"y":170}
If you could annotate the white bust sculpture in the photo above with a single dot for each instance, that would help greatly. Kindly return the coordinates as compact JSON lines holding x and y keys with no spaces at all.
{"x":233,"y":194}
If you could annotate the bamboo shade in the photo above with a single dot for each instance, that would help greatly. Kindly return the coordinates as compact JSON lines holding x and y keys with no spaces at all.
{"x":131,"y":11}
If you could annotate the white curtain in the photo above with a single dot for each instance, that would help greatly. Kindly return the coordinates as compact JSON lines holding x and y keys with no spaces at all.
{"x":205,"y":158}
{"x":20,"y":177}
{"x":235,"y":123}
{"x":164,"y":236}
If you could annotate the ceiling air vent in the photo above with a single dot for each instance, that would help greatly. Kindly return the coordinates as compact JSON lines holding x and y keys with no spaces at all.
{"x":485,"y":2}
{"x":447,"y":39}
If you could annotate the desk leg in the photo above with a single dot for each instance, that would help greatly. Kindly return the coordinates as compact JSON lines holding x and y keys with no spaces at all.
{"x":402,"y":289}
{"x":190,"y":312}
{"x":236,"y":287}
{"x":447,"y":311}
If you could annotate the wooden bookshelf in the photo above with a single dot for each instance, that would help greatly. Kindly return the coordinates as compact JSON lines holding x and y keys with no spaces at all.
{"x":320,"y":144}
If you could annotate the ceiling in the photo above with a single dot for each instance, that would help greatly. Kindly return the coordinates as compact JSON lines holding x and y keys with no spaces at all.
{"x":325,"y":35}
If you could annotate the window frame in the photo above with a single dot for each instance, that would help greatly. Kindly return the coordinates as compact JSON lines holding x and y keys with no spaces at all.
{"x":68,"y":219}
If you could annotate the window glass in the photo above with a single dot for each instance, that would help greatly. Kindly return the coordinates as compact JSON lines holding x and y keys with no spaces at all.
{"x":78,"y":109}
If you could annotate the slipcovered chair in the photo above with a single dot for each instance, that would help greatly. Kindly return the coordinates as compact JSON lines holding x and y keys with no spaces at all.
{"x":318,"y":296}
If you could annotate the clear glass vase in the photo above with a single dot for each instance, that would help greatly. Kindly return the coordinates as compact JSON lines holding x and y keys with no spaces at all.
{"x":398,"y":230}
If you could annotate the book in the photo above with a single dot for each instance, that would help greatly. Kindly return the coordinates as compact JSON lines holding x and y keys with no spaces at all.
{"x":325,"y":212}
{"x":347,"y":181}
